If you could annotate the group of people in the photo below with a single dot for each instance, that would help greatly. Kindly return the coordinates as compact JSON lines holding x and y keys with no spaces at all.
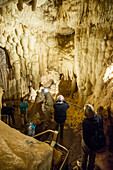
{"x":90,"y":125}
{"x":9,"y":111}
{"x":93,"y":138}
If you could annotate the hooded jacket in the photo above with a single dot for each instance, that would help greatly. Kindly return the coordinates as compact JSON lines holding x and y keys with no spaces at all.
{"x":89,"y":125}
{"x":32,"y":125}
{"x":60,"y":111}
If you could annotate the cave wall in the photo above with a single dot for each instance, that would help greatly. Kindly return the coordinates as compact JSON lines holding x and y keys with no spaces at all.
{"x":32,"y":51}
{"x":1,"y":93}
{"x":62,"y":37}
{"x":92,"y":22}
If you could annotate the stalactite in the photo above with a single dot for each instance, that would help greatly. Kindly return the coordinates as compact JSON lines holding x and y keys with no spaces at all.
{"x":17,"y":70}
{"x":67,"y":69}
{"x":14,"y":89}
{"x":20,"y":5}
{"x":4,"y":77}
{"x":34,"y":3}
{"x":1,"y":11}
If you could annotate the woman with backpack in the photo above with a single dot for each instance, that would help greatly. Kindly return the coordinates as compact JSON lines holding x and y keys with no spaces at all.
{"x":93,"y":137}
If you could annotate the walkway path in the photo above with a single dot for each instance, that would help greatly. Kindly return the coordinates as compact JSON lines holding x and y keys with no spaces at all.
{"x":72,"y":142}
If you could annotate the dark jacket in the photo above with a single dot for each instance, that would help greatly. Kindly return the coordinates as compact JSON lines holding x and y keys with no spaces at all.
{"x":60,"y":111}
{"x":7,"y":110}
{"x":89,"y":125}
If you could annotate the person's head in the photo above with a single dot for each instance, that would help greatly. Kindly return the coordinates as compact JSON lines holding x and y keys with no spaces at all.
{"x":60,"y":98}
{"x":89,"y":111}
{"x":30,"y":123}
{"x":4,"y":104}
{"x":22,"y":99}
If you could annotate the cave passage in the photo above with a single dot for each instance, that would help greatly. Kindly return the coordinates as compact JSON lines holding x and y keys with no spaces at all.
{"x":50,"y":48}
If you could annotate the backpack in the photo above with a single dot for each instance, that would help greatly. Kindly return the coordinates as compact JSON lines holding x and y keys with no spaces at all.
{"x":98,"y":140}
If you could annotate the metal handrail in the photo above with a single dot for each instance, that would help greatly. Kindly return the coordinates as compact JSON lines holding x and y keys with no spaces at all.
{"x":65,"y":156}
{"x":54,"y":144}
{"x":46,"y":131}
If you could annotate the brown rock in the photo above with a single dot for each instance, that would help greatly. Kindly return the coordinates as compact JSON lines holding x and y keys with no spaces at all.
{"x":22,"y":152}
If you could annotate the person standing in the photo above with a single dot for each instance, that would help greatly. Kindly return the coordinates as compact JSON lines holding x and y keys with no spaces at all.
{"x":60,"y":108}
{"x":23,"y":109}
{"x":90,"y":125}
{"x":8,"y":110}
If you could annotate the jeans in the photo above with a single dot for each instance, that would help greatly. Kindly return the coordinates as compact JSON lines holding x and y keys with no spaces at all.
{"x":86,"y":152}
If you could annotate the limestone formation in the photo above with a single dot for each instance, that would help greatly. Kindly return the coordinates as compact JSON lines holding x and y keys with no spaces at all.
{"x":22,"y":152}
{"x":62,"y":45}
{"x":66,"y":37}
{"x":42,"y":108}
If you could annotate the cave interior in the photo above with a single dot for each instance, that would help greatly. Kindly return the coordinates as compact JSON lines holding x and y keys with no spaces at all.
{"x":65,"y":47}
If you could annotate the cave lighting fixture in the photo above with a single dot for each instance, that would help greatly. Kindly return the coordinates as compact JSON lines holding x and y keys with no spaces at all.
{"x":109,"y":73}
{"x":46,"y":90}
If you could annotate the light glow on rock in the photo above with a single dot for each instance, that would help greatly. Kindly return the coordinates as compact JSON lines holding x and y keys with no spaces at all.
{"x":46,"y":90}
{"x":109,"y":73}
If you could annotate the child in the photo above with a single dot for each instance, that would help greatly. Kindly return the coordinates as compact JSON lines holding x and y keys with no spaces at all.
{"x":31,"y":129}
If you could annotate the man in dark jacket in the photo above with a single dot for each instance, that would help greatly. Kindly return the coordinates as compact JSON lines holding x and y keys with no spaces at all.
{"x":60,"y":108}
{"x":8,"y":110}
{"x":89,"y":126}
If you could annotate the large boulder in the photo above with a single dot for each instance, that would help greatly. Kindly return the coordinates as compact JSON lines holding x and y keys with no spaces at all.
{"x":18,"y":151}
